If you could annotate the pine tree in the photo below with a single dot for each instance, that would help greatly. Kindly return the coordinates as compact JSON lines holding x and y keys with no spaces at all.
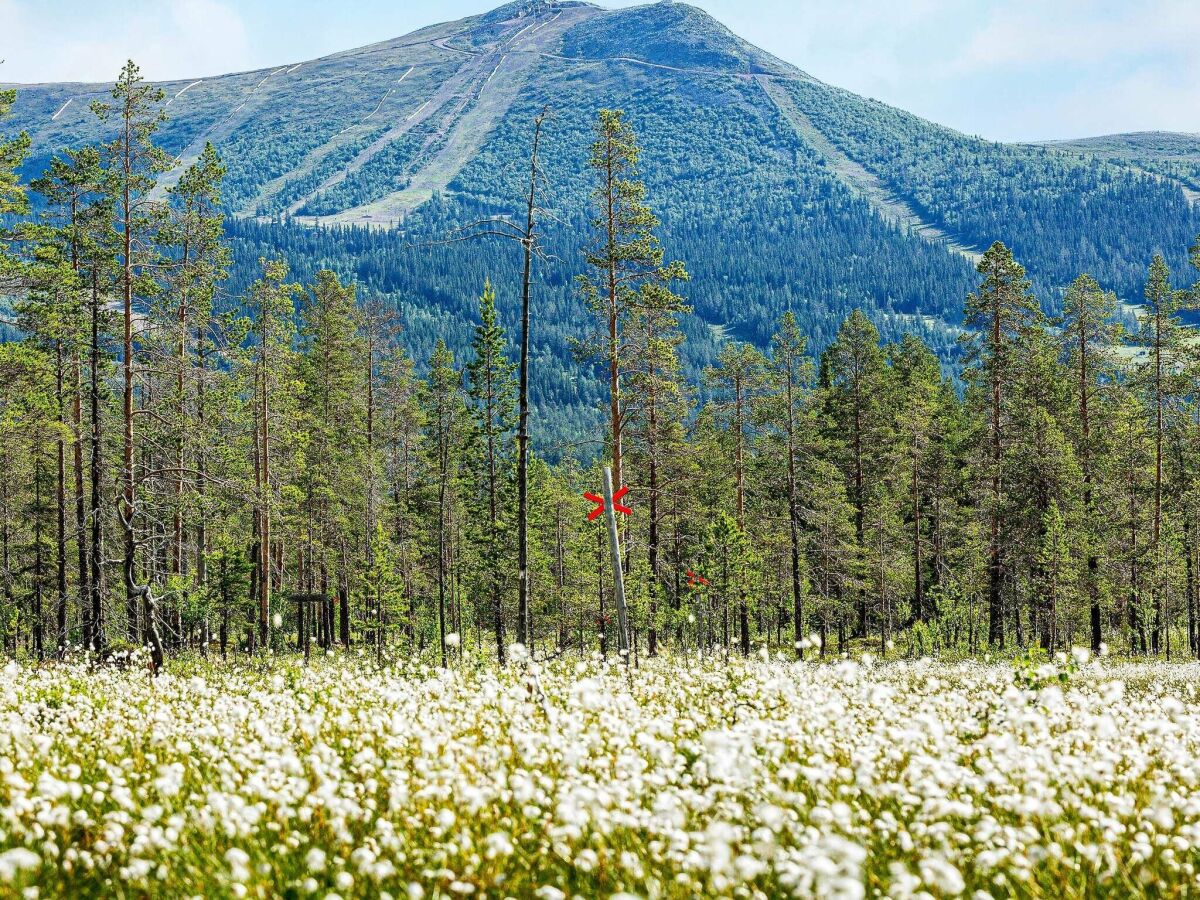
{"x":1001,"y":311}
{"x":740,"y":378}
{"x":656,"y":420}
{"x":1087,"y":336}
{"x":1040,"y":472}
{"x":74,"y":209}
{"x":791,"y":372}
{"x":268,"y":366}
{"x":1163,"y":377}
{"x":853,"y":376}
{"x":13,"y":200}
{"x":446,"y":422}
{"x":132,"y":164}
{"x":194,"y":237}
{"x":917,"y":382}
{"x":626,"y":259}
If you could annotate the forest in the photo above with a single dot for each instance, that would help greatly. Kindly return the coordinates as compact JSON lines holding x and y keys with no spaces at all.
{"x":189,"y":465}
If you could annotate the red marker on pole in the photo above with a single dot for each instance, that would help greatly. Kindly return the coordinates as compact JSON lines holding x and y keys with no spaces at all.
{"x":601,"y":505}
{"x":610,"y":505}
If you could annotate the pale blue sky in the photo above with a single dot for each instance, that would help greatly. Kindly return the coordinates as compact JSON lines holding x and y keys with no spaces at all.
{"x":1005,"y":69}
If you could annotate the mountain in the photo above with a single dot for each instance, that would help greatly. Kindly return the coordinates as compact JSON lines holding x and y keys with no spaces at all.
{"x":778,"y":191}
{"x":1168,"y":154}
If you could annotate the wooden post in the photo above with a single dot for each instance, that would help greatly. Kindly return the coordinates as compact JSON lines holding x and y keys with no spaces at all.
{"x":618,"y":572}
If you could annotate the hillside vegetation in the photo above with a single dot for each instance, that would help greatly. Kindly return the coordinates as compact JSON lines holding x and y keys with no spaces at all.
{"x":363,"y":138}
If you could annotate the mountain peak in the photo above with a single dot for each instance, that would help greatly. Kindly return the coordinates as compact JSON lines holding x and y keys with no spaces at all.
{"x":520,"y":9}
{"x":670,"y":34}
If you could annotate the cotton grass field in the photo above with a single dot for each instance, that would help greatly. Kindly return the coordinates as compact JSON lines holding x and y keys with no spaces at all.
{"x":679,"y":778}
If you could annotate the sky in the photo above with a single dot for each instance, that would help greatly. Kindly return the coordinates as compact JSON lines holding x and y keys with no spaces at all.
{"x":1002,"y":69}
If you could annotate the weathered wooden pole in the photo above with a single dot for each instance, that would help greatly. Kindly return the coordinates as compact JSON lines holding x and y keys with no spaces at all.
{"x":614,"y":544}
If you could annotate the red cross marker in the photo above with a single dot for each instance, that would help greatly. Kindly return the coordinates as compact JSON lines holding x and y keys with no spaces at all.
{"x":599,"y":501}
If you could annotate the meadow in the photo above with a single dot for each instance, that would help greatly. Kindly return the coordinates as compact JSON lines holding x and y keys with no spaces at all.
{"x":682,"y":777}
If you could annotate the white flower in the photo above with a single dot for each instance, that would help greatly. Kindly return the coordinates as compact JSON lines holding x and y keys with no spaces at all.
{"x":15,"y":860}
{"x":943,"y":876}
{"x":239,"y":862}
{"x":277,"y":620}
{"x":452,"y":639}
{"x":315,"y":860}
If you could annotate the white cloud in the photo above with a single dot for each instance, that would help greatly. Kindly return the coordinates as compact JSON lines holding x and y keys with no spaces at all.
{"x":1007,"y":69}
{"x":183,"y":38}
{"x":1038,"y":34}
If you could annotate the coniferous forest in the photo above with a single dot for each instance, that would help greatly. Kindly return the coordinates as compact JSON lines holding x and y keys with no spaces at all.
{"x":187,"y":467}
{"x":287,"y":609}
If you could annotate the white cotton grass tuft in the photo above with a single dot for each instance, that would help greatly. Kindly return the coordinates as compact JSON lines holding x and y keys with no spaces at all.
{"x":16,"y":860}
{"x":713,"y":775}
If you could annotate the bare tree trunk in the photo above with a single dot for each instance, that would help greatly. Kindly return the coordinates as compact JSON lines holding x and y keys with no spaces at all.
{"x":61,"y":501}
{"x":96,"y":550}
{"x":524,"y":631}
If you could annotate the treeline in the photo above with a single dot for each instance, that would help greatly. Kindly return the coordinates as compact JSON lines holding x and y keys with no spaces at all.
{"x":182,"y":466}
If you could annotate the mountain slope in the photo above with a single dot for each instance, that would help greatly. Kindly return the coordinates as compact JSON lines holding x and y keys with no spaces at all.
{"x":780,"y":192}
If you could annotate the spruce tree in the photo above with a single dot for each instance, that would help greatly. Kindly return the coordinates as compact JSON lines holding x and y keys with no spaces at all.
{"x":333,"y":391}
{"x":492,"y":389}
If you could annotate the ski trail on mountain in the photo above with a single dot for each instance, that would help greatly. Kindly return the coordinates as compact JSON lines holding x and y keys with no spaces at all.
{"x":889,"y":206}
{"x":482,"y":92}
{"x":317,"y":155}
{"x":219,"y":130}
{"x":444,"y":94}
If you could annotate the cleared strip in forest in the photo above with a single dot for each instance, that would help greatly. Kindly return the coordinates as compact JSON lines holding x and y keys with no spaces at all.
{"x":480,"y":108}
{"x":364,"y":119}
{"x":216,"y":132}
{"x":62,"y":109}
{"x":317,"y":155}
{"x":420,"y":109}
{"x":866,"y":184}
{"x":497,"y":69}
{"x":544,"y":24}
{"x":458,"y":83}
